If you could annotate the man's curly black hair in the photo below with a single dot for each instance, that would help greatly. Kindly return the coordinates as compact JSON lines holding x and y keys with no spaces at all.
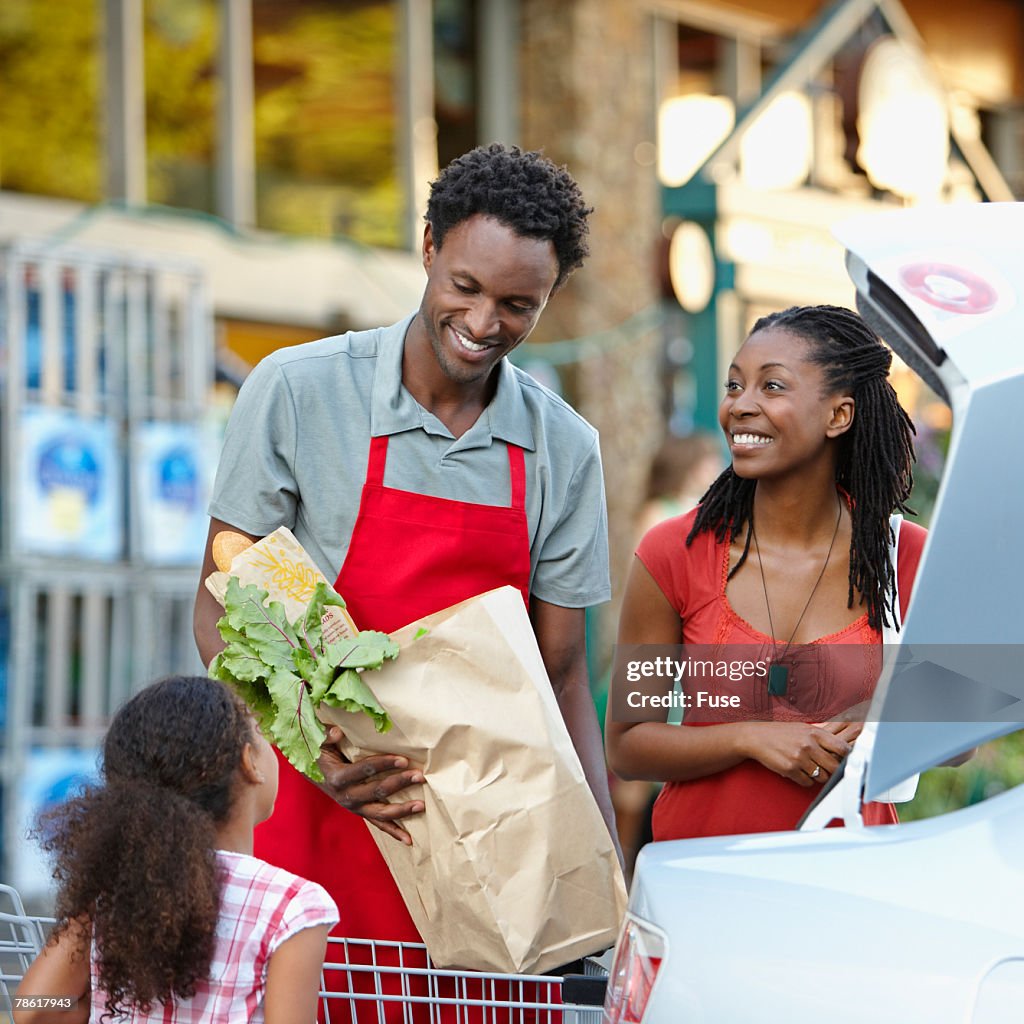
{"x":525,"y":191}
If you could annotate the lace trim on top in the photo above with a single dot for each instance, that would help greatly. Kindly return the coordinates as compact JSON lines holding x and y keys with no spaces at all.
{"x":730,"y":618}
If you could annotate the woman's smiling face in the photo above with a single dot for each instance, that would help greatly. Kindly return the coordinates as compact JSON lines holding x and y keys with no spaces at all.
{"x":776,"y":413}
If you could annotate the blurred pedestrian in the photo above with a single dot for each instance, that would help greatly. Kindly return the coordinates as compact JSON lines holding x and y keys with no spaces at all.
{"x":682,"y":470}
{"x":789,"y":547}
{"x":163,"y":914}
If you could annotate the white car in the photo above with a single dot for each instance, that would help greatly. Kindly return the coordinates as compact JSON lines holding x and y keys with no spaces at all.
{"x":918,"y":922}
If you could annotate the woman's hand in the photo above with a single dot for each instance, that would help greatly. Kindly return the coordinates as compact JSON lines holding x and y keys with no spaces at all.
{"x":850,"y":723}
{"x":806,"y":754}
{"x":364,"y":787}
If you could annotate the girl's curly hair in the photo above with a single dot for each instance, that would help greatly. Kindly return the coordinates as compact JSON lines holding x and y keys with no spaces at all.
{"x":135,"y":855}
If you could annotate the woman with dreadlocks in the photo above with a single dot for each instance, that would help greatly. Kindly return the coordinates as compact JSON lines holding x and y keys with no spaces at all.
{"x":787,"y":564}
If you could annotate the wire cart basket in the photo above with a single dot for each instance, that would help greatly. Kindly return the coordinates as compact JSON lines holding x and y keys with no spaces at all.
{"x":367,"y":981}
{"x":21,"y":938}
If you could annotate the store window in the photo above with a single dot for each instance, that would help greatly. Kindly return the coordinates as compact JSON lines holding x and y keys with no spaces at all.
{"x":181,"y":97}
{"x":50,"y":74}
{"x":327,"y":118}
{"x":696,"y":115}
{"x":455,"y":78}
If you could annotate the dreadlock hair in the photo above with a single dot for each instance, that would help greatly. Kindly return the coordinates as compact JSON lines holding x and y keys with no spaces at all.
{"x":875,"y":456}
{"x":135,"y":856}
{"x":525,"y":191}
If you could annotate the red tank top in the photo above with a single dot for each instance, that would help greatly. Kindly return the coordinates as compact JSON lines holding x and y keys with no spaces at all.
{"x":749,"y":797}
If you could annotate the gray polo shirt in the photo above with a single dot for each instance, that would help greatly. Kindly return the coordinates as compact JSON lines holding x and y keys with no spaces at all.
{"x":297,"y":445}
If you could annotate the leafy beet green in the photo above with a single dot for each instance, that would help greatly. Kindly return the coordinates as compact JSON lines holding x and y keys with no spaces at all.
{"x":284,"y":670}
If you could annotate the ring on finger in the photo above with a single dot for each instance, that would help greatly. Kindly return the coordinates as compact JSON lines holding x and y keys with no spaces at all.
{"x":816,"y":772}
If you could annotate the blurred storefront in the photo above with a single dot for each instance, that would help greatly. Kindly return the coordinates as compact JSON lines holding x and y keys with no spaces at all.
{"x":781,"y":120}
{"x":105,"y":452}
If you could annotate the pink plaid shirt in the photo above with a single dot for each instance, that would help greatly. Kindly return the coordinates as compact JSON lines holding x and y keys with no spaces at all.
{"x":261,"y":906}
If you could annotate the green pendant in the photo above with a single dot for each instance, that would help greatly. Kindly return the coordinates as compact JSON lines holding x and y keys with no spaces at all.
{"x":778,"y":676}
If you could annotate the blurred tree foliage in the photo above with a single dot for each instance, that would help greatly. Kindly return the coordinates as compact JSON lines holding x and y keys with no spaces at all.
{"x":181,"y":97}
{"x":326,"y":118}
{"x":50,"y":74}
{"x":931,"y":445}
{"x":996,"y":767}
{"x":51,"y":80}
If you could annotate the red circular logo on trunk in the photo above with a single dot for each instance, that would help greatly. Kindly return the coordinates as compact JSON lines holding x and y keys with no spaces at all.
{"x":951,"y":288}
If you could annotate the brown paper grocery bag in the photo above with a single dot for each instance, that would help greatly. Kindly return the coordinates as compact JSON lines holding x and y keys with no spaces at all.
{"x":511,"y":867}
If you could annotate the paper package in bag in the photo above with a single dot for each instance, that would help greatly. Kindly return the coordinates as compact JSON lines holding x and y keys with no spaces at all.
{"x":511,"y":867}
{"x":280,"y":565}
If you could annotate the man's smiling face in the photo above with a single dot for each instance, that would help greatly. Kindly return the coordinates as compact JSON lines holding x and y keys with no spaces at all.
{"x":486,"y":288}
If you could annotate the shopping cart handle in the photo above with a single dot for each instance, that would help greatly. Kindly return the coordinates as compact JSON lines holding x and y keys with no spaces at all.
{"x":580,"y":990}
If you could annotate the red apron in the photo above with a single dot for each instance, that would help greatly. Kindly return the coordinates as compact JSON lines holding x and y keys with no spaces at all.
{"x":409,"y":555}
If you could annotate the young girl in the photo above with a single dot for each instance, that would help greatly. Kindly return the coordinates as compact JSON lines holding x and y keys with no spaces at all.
{"x":163,"y":913}
{"x":788,"y":551}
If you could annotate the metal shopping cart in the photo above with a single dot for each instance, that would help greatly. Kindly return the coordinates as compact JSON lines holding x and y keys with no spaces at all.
{"x":372,"y":982}
{"x":401,"y":985}
{"x":21,"y":938}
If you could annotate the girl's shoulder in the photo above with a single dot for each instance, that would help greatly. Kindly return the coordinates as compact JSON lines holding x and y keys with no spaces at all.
{"x":249,"y":880}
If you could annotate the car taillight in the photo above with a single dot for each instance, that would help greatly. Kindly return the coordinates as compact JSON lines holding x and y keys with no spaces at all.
{"x":637,"y":961}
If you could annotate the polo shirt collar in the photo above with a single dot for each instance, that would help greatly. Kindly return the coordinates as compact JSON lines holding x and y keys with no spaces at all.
{"x":508,"y":414}
{"x":393,"y":409}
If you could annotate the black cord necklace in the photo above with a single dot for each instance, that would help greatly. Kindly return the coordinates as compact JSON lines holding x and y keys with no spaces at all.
{"x":778,"y":672}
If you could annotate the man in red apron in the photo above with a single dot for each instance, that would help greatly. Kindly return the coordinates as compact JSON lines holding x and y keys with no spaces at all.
{"x":422,"y":468}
